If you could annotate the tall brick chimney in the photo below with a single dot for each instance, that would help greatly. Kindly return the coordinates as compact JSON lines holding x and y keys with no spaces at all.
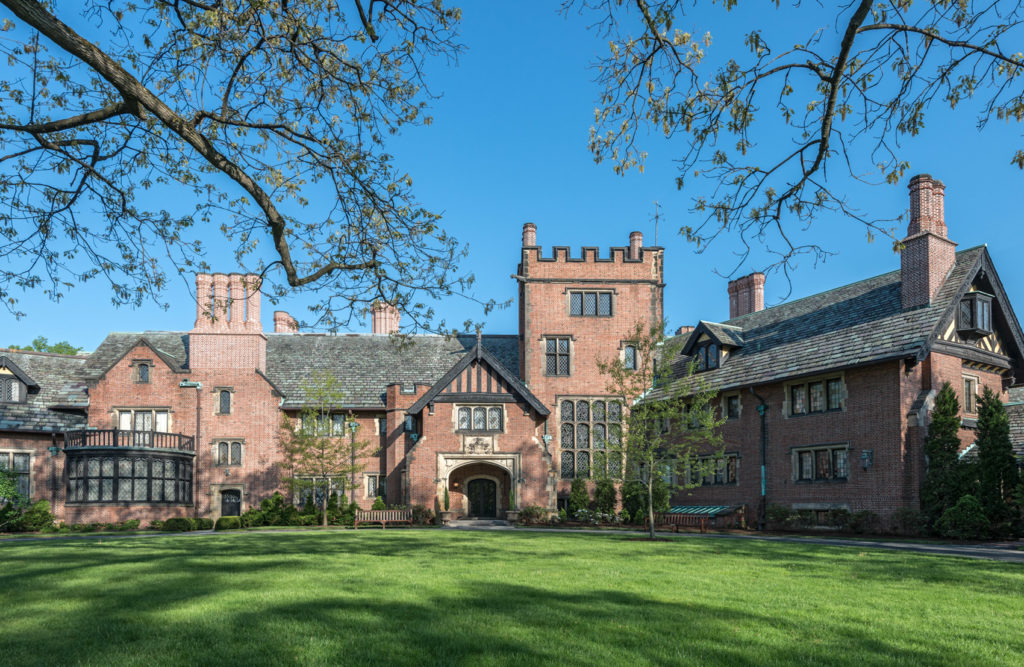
{"x":284,"y":323}
{"x":928,"y":255}
{"x":746,"y":295}
{"x":385,"y":317}
{"x":636,"y":242}
{"x":529,"y":235}
{"x":684,"y":330}
{"x":227,"y":332}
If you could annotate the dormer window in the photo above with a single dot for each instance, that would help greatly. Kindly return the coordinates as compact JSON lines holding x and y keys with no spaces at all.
{"x":975,"y":315}
{"x":707,"y":357}
{"x":11,"y":390}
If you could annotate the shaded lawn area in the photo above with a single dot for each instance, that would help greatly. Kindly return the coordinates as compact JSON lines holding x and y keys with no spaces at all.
{"x":447,"y":597}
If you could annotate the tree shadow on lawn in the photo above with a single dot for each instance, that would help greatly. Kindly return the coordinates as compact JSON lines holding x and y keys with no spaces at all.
{"x":476,"y":621}
{"x":195,"y":601}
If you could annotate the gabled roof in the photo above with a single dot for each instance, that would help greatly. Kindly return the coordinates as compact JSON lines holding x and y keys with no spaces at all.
{"x":366,"y":364}
{"x":8,"y":363}
{"x":480,"y":353}
{"x":60,"y":402}
{"x":723,"y":334}
{"x":853,"y":325}
{"x":171,"y":347}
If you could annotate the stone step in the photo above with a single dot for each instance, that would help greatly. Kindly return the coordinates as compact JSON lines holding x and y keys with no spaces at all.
{"x":479,"y":523}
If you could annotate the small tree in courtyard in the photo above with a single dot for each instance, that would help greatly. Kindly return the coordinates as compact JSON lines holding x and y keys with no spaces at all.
{"x":318,"y":452}
{"x":997,"y":466}
{"x":579,"y":496}
{"x":945,"y":481}
{"x":670,"y":414}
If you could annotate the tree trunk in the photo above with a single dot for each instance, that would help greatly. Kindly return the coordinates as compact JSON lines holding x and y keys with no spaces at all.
{"x":650,"y":505}
{"x":325,"y":507}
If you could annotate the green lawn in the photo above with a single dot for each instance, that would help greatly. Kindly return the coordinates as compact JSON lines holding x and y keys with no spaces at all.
{"x":446,"y":597}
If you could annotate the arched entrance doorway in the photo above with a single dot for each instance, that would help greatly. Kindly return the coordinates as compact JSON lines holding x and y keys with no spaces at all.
{"x":483,"y":498}
{"x":479,"y":490}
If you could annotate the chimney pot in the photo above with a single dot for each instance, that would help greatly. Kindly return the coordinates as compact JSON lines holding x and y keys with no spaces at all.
{"x":284,"y":323}
{"x":636,"y":242}
{"x":529,"y":235}
{"x":928,"y":254}
{"x":746,"y":294}
{"x":385,"y":318}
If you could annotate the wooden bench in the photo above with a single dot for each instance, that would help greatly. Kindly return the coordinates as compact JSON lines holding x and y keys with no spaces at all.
{"x":676,"y":520}
{"x":383,"y":517}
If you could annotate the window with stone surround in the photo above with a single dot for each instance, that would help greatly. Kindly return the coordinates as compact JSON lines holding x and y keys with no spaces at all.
{"x":376,"y":486}
{"x":589,"y":428}
{"x":629,"y":357}
{"x":224,"y":400}
{"x":715,"y":470}
{"x":590,"y":304}
{"x":480,"y":418}
{"x":19,"y":463}
{"x":227,"y":452}
{"x":970,"y":394}
{"x":556,"y":355}
{"x":813,"y":396}
{"x":821,"y":463}
{"x":141,"y":370}
{"x":313,"y":488}
{"x":731,"y":405}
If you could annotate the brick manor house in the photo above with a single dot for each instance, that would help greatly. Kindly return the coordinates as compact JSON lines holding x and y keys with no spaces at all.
{"x":827,"y":398}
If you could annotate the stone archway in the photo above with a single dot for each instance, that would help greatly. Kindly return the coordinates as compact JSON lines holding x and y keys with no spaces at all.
{"x":479,"y":490}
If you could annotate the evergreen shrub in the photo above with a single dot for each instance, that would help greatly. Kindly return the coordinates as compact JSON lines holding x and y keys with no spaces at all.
{"x":604,"y":496}
{"x":179,"y":524}
{"x":229,"y":523}
{"x":964,"y":521}
{"x":579,"y":496}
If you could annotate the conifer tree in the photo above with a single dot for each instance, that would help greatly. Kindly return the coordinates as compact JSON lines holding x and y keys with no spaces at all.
{"x":997,"y":466}
{"x":944,"y":481}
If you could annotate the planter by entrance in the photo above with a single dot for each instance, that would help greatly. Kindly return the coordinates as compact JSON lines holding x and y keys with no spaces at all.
{"x":446,"y":518}
{"x":512,"y":516}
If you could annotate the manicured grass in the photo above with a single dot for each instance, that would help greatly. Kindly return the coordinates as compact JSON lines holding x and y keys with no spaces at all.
{"x":447,"y":597}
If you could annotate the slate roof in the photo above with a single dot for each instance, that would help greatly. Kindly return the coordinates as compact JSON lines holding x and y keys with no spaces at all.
{"x":367,"y":363}
{"x":59,"y":386}
{"x":171,"y":346}
{"x":852,"y":325}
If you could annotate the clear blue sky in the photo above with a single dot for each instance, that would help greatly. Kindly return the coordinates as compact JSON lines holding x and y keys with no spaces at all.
{"x":509,"y":145}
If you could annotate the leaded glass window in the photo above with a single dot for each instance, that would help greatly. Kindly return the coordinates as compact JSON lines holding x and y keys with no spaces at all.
{"x":21,"y":465}
{"x":835,"y":394}
{"x":10,"y":390}
{"x":480,"y":419}
{"x":556,"y":356}
{"x":817,"y":396}
{"x":588,"y":425}
{"x":590,"y":304}
{"x":226,"y":453}
{"x":823,"y":463}
{"x":236,"y":453}
{"x":225,"y":402}
{"x":629,"y":357}
{"x":127,"y":479}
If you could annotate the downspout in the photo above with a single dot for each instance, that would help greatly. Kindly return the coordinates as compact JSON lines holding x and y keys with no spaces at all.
{"x":185,"y":384}
{"x":762,"y":410}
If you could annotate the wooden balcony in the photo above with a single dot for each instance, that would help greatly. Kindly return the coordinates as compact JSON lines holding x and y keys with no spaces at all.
{"x":128,"y":440}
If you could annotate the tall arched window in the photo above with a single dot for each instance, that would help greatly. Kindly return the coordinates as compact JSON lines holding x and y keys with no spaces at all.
{"x":225,"y":402}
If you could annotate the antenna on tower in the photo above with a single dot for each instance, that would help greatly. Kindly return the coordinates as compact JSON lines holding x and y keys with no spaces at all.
{"x":655,"y":218}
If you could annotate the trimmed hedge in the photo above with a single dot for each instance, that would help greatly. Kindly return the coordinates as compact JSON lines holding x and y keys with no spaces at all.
{"x":179,"y":524}
{"x":229,"y":523}
{"x":204,"y":524}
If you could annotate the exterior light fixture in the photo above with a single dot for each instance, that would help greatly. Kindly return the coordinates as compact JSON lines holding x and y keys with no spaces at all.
{"x":867,"y":458}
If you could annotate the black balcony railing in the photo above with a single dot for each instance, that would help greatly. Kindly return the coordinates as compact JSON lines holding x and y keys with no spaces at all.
{"x":118,"y":438}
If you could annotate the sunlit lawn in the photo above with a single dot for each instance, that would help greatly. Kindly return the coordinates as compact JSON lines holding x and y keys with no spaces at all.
{"x":444,"y":597}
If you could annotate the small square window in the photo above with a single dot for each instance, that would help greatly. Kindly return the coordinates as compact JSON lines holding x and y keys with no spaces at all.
{"x":732,"y":407}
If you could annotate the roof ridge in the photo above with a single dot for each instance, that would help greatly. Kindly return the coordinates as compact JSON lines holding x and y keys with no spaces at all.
{"x":80,"y":356}
{"x":839,"y":287}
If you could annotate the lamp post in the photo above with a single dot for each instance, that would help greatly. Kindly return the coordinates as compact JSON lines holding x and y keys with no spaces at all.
{"x":353,"y":426}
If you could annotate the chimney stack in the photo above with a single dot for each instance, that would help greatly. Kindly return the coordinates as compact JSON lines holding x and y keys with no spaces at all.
{"x":252,"y":284}
{"x":284,"y":323}
{"x":221,"y":301}
{"x":385,"y":317}
{"x":636,"y":242}
{"x":529,"y":235}
{"x":204,"y":300}
{"x":746,"y":295}
{"x":684,"y":330}
{"x":928,"y":255}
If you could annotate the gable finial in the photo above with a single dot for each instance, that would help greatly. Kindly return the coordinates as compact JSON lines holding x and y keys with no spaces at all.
{"x":479,"y":341}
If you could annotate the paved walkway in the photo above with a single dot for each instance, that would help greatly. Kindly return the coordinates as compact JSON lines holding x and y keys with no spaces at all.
{"x":1009,"y":552}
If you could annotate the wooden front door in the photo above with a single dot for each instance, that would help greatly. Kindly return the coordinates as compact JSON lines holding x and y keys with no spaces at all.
{"x":483,"y":498}
{"x":230,"y":503}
